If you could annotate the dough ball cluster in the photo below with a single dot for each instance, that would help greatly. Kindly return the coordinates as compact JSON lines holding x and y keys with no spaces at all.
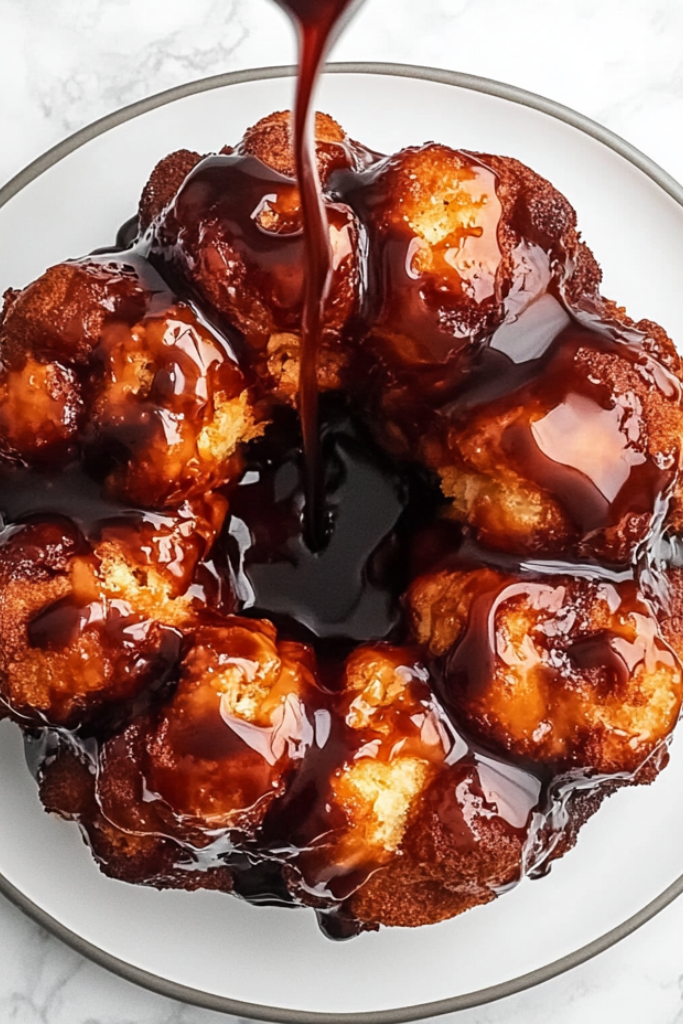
{"x":534,"y":668}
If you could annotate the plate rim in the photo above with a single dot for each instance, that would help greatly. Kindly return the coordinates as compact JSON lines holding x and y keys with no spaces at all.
{"x":468,"y":1000}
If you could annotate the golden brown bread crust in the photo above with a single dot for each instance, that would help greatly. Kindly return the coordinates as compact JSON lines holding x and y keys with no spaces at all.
{"x":270,"y":139}
{"x":192,"y":407}
{"x":68,"y":648}
{"x":238,"y":676}
{"x":163,"y":183}
{"x":62,"y":314}
{"x":261,"y":297}
{"x":450,"y":859}
{"x":632,"y":428}
{"x":67,"y":788}
{"x":561,"y":670}
{"x":114,"y":370}
{"x":416,"y":838}
{"x":534,"y":210}
{"x":41,"y":411}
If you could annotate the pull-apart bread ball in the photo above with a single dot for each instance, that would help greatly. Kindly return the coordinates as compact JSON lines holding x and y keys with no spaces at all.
{"x":562,"y":671}
{"x":576,"y":455}
{"x":463,"y":844}
{"x":458,"y":244}
{"x":63,"y":315}
{"x":412,"y":829}
{"x":139,"y":853}
{"x":238,"y":725}
{"x":234,"y":233}
{"x":48,"y":332}
{"x":171,"y":412}
{"x":41,"y":410}
{"x":160,"y":564}
{"x":397,"y":741}
{"x":69,"y":647}
{"x":89,"y":623}
{"x":270,"y":140}
{"x":432,"y":216}
{"x":109,"y":360}
{"x":552,"y":420}
{"x":203,"y":769}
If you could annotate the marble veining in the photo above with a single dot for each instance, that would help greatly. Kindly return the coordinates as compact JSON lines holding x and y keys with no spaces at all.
{"x":68,"y":62}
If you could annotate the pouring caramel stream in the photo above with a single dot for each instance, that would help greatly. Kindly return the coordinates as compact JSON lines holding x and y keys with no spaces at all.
{"x":317,"y":23}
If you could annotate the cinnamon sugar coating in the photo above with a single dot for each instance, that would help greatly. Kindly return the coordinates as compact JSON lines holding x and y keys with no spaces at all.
{"x":270,"y":139}
{"x":163,"y":183}
{"x":63,"y":314}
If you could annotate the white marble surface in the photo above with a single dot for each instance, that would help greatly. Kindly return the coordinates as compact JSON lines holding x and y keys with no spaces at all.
{"x":67,"y":62}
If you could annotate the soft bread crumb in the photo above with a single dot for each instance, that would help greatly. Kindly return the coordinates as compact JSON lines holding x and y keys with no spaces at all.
{"x":378,"y":795}
{"x":232,"y":424}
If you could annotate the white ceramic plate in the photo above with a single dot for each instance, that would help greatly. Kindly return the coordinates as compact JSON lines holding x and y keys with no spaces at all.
{"x":274,"y":964}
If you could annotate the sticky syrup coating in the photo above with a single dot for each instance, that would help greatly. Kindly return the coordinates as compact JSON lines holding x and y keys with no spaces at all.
{"x":215,"y":231}
{"x":564,"y":671}
{"x":671,"y":615}
{"x":261,"y":297}
{"x":163,"y":183}
{"x":460,"y":243}
{"x":48,"y":332}
{"x":157,"y":564}
{"x":439,"y":210}
{"x":415,"y":836}
{"x":98,"y":356}
{"x":238,"y":723}
{"x":269,"y":140}
{"x":84,"y":624}
{"x":393,"y":742}
{"x":135,"y":854}
{"x":403,"y":739}
{"x":173,"y":410}
{"x":216,"y":718}
{"x":438,"y":605}
{"x":535,"y":212}
{"x":455,"y":216}
{"x":576,"y":460}
{"x":41,"y":411}
{"x":456,"y":853}
{"x":66,"y":653}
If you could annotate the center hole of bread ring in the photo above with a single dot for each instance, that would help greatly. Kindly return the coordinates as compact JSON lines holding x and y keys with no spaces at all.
{"x":350,"y":589}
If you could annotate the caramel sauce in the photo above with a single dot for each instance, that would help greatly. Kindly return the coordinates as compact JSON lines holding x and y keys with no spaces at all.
{"x":317,"y":23}
{"x":373,"y":508}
